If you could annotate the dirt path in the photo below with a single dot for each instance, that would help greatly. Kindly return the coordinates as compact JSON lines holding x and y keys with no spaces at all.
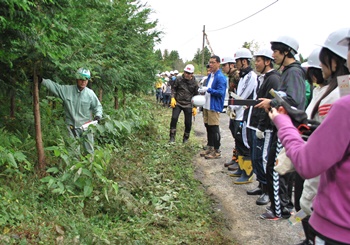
{"x":239,"y":209}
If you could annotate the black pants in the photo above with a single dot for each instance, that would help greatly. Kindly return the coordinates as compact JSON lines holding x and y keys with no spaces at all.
{"x":242,"y":150}
{"x":214,"y":136}
{"x":175,"y":117}
{"x":282,"y":182}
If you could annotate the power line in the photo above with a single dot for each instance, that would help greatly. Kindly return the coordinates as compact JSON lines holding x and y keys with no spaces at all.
{"x":245,"y":18}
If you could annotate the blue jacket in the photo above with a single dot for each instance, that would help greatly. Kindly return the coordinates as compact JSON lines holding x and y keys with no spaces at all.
{"x":217,"y":91}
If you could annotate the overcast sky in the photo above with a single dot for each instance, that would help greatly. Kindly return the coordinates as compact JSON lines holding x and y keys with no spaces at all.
{"x":308,"y":21}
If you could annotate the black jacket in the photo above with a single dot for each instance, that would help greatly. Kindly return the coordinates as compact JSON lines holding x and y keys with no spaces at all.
{"x":260,"y":118}
{"x":183,"y":91}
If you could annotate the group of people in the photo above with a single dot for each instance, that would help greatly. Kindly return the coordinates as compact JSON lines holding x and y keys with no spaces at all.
{"x":262,"y":129}
{"x":163,"y":85}
{"x":263,"y":140}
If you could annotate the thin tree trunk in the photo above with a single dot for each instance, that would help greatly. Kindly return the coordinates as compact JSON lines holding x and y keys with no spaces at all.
{"x":100,"y":93}
{"x":116,"y":101}
{"x":38,"y":134}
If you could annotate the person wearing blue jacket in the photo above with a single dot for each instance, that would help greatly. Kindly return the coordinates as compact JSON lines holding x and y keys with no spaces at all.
{"x":214,"y":104}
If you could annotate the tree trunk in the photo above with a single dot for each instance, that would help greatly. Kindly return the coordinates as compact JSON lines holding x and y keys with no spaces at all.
{"x":116,"y":102}
{"x":38,"y":135}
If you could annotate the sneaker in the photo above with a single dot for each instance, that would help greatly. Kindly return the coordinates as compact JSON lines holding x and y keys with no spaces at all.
{"x":215,"y":154}
{"x":206,"y":152}
{"x":269,"y":215}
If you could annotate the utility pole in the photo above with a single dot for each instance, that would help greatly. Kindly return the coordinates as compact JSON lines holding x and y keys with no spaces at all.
{"x":202,"y":65}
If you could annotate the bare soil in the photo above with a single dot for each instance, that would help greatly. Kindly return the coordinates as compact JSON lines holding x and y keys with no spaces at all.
{"x":242,"y":215}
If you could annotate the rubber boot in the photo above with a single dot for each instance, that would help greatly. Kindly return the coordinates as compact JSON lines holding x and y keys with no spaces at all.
{"x":247,"y":174}
{"x":185,"y":138}
{"x":172,"y":135}
{"x":239,"y":171}
{"x":263,"y":199}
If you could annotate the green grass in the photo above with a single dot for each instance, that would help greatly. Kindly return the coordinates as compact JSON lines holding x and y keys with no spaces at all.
{"x":159,"y":201}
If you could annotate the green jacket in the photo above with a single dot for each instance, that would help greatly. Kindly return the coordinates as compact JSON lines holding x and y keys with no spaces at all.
{"x":79,"y":106}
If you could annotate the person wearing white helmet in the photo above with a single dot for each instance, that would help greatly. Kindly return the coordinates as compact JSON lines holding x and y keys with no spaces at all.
{"x":158,"y":86}
{"x":326,"y":152}
{"x":324,"y":96}
{"x":346,"y":42}
{"x":81,"y":105}
{"x":242,"y":131}
{"x":172,"y":77}
{"x":260,"y":121}
{"x":184,"y":88}
{"x":293,"y":85}
{"x":228,"y":66}
{"x":214,"y":104}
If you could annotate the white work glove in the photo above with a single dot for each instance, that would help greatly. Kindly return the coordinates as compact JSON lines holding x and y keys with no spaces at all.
{"x":202,"y":90}
{"x":231,"y":112}
{"x":259,"y":134}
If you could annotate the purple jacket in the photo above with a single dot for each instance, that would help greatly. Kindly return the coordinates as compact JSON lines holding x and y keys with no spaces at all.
{"x":326,"y":153}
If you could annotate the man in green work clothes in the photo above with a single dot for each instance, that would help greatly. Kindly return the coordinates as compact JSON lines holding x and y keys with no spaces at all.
{"x":81,"y":105}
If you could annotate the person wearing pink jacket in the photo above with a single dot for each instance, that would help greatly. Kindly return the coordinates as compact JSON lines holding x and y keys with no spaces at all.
{"x":326,"y":153}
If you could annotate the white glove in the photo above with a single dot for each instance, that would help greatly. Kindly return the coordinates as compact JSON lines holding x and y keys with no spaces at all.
{"x":230,"y":110}
{"x":259,"y":134}
{"x":202,"y":90}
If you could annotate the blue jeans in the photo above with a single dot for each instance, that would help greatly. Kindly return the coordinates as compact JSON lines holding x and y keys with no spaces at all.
{"x":159,"y":95}
{"x":166,"y":99}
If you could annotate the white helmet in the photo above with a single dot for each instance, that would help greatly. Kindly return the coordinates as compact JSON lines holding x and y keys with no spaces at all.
{"x":289,"y":41}
{"x":189,"y":68}
{"x":83,"y":73}
{"x":176,"y":72}
{"x":345,"y":41}
{"x":332,"y":42}
{"x":313,"y":60}
{"x":167,"y":74}
{"x":243,"y":53}
{"x":226,"y":60}
{"x":198,"y":100}
{"x":171,"y":72}
{"x":266,"y":52}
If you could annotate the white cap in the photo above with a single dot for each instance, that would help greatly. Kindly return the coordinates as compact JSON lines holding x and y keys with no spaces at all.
{"x":345,"y":41}
{"x":189,"y":68}
{"x":176,"y":72}
{"x":83,"y":73}
{"x":266,"y":52}
{"x":289,"y":41}
{"x":171,"y":72}
{"x":226,"y":60}
{"x":332,"y":42}
{"x":313,"y":60}
{"x":243,"y":53}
